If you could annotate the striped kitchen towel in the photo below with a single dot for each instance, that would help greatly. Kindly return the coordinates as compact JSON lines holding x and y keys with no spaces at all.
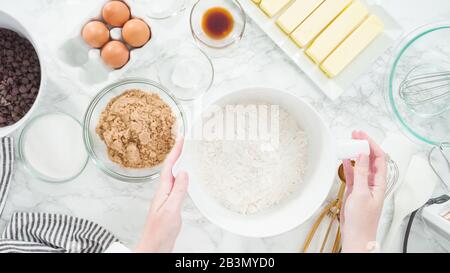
{"x":44,"y":232}
{"x":55,"y":233}
{"x":6,"y":168}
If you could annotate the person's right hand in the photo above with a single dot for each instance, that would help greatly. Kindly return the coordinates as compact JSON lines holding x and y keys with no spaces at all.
{"x":363,"y":202}
{"x":164,"y":218}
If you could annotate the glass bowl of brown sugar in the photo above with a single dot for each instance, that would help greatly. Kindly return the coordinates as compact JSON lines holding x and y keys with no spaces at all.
{"x":130,"y":127}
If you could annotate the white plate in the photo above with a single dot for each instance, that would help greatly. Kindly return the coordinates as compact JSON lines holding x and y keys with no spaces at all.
{"x":334,"y":87}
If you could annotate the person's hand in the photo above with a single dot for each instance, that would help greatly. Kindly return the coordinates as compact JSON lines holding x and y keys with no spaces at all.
{"x":164,"y":218}
{"x":364,"y":197}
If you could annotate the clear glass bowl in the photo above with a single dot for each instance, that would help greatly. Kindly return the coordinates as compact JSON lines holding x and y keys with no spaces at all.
{"x":186,"y":70}
{"x":424,"y":50}
{"x":196,"y":17}
{"x":164,"y":9}
{"x":97,"y":148}
{"x":27,"y":163}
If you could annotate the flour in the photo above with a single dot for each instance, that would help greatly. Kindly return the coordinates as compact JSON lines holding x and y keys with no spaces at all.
{"x":246,"y":176}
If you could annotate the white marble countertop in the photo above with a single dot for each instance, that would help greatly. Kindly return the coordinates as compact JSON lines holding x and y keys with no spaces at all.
{"x":122,"y":207}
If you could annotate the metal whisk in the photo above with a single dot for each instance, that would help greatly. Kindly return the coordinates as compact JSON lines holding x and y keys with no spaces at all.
{"x":427,"y":88}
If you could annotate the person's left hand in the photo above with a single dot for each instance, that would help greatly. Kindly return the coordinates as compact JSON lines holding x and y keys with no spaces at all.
{"x":164,"y":219}
{"x":364,"y":198}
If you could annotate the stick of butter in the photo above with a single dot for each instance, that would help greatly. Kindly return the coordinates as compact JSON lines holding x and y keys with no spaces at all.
{"x":318,"y":21}
{"x":272,"y":7}
{"x":296,"y":14}
{"x":352,"y":46}
{"x":341,"y":28}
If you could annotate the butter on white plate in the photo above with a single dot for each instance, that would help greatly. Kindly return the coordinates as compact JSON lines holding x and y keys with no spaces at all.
{"x":341,"y":28}
{"x":352,"y":46}
{"x":318,"y":21}
{"x":272,"y":7}
{"x":296,"y":14}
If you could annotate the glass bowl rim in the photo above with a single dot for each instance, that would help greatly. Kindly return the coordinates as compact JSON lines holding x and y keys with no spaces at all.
{"x":87,"y":136}
{"x":398,"y":51}
{"x":239,"y":37}
{"x":26,"y":163}
{"x":171,"y":14}
{"x":211,"y":81}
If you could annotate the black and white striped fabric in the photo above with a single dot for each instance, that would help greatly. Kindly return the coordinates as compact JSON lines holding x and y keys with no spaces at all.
{"x":6,"y":168}
{"x":44,"y":232}
{"x":11,"y":246}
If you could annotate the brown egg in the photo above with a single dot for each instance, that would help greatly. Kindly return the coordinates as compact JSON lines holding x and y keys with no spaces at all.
{"x":95,"y":34}
{"x":136,"y":33}
{"x":116,"y":13}
{"x":115,"y":54}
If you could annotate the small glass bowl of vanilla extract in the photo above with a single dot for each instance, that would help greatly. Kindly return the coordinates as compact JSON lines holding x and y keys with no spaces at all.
{"x":217,"y":24}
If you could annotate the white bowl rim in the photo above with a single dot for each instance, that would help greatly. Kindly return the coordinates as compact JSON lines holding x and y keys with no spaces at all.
{"x":13,"y":127}
{"x":293,"y":222}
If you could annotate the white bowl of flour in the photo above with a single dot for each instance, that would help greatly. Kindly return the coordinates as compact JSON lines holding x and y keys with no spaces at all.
{"x":254,"y":180}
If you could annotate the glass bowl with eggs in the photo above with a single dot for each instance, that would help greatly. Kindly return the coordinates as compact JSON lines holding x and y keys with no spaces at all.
{"x":130,"y":127}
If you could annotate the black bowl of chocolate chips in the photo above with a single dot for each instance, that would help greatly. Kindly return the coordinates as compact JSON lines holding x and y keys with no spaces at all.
{"x":20,"y":78}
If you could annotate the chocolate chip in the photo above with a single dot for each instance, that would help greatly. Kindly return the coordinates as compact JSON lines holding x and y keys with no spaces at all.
{"x":14,"y":91}
{"x":19,"y":77}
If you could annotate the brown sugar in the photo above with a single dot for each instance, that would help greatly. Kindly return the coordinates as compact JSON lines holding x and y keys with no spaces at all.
{"x":137,"y":128}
